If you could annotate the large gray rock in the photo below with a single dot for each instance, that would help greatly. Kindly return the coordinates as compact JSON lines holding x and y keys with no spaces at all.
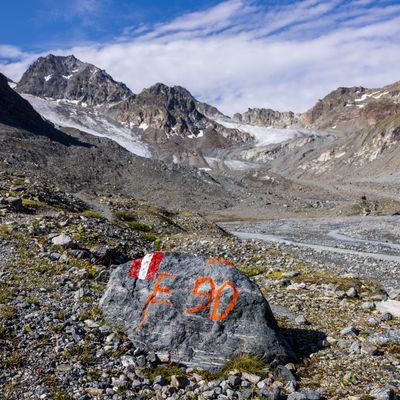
{"x":196,"y":311}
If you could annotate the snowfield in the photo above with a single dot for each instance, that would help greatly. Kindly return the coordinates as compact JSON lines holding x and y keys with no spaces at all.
{"x":67,"y":114}
{"x":263,"y":136}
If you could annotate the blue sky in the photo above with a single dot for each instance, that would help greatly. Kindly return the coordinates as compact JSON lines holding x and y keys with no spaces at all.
{"x":234,"y":53}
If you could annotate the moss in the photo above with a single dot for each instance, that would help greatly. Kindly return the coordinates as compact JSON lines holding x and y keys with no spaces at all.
{"x":125,"y":216}
{"x":149,"y":236}
{"x":34,"y":203}
{"x":19,"y":181}
{"x":138,"y":226}
{"x":92,"y":214}
{"x":251,"y":270}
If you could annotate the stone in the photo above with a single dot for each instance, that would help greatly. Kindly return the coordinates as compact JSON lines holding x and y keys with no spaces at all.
{"x":200,"y":312}
{"x":383,"y":394}
{"x":179,"y":381}
{"x":301,"y":320}
{"x":15,"y":203}
{"x":62,"y":240}
{"x":369,"y":305}
{"x":352,"y":292}
{"x":390,"y":306}
{"x":253,"y":378}
{"x":350,"y":331}
{"x":394,"y":294}
{"x":234,"y":380}
{"x":304,"y":395}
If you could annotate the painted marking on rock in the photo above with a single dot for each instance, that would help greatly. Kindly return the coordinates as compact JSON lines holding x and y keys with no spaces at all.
{"x":146,"y":268}
{"x":152,"y":299}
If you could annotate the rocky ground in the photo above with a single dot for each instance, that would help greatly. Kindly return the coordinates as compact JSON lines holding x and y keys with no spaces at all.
{"x":57,"y":252}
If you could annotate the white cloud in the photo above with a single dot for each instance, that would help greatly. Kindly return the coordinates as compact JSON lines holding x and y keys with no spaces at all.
{"x":239,"y":54}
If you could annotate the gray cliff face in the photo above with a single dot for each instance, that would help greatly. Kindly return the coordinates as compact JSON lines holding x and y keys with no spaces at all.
{"x":268,"y":117}
{"x":195,"y":311}
{"x":58,"y":77}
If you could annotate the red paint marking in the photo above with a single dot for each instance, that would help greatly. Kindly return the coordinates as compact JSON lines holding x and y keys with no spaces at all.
{"x":135,"y":268}
{"x":154,"y":265}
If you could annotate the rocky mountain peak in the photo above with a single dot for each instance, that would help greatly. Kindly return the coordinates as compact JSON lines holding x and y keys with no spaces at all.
{"x":67,"y":78}
{"x":172,"y":109}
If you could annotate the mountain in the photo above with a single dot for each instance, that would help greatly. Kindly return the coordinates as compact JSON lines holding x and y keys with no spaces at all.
{"x":67,"y":78}
{"x":268,"y":118}
{"x":163,"y":122}
{"x":354,"y":107}
{"x":78,"y":161}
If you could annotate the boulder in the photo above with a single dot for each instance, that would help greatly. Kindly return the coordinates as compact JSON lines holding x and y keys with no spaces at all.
{"x":192,"y":310}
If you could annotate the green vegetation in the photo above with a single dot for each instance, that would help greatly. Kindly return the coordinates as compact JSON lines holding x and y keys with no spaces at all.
{"x":93,"y":313}
{"x":149,"y":236}
{"x":125,"y":216}
{"x":166,"y":371}
{"x":138,"y":226}
{"x":252,"y":270}
{"x":92,"y":214}
{"x":13,"y":361}
{"x":243,"y":363}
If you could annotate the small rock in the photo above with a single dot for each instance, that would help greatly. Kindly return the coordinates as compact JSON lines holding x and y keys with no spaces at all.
{"x":253,"y":378}
{"x":383,"y":394}
{"x":305,"y":395}
{"x":62,"y":240}
{"x":179,"y":381}
{"x":352,"y":292}
{"x":234,"y":380}
{"x":350,"y":331}
{"x":301,"y":320}
{"x":369,"y":305}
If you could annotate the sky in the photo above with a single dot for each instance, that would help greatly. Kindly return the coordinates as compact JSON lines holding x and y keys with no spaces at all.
{"x":233,"y":54}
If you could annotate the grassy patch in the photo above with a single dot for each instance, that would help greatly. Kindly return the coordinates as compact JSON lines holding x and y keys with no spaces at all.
{"x":166,"y":371}
{"x":149,"y":236}
{"x":138,"y":226}
{"x":93,"y":313}
{"x":34,"y":203}
{"x":252,"y":270}
{"x":92,"y":214}
{"x":243,"y":363}
{"x":14,"y":361}
{"x":125,"y":216}
{"x":7,"y":312}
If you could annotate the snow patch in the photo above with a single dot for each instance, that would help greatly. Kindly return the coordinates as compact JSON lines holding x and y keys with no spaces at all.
{"x":71,"y":116}
{"x":12,"y":85}
{"x":263,"y":135}
{"x":48,"y":77}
